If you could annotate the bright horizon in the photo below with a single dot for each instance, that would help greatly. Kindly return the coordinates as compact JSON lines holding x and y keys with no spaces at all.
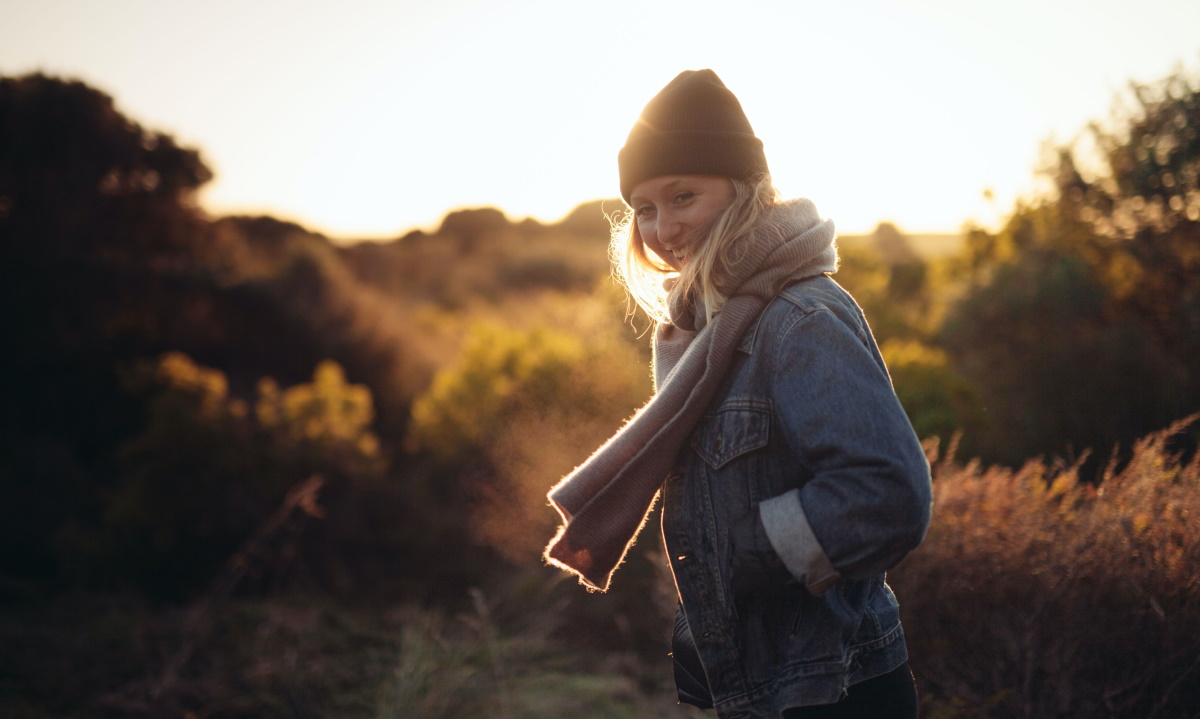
{"x":368,"y":119}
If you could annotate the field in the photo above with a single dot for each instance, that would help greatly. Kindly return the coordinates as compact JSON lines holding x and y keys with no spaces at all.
{"x":1035,"y":594}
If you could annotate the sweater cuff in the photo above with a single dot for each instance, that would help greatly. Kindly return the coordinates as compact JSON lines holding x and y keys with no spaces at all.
{"x":793,"y":540}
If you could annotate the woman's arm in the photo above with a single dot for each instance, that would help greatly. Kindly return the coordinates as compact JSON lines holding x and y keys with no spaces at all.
{"x":868,"y":501}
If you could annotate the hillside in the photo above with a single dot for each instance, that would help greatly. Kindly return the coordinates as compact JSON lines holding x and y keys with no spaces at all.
{"x":927,"y":246}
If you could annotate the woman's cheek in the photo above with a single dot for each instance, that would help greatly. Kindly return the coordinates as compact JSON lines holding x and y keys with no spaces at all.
{"x":650,"y":239}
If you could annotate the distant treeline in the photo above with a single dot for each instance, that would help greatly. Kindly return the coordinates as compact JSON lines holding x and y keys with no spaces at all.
{"x":168,"y":376}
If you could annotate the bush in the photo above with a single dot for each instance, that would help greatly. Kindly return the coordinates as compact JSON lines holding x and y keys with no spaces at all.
{"x":1055,"y":367}
{"x":470,"y":402}
{"x":1039,"y":594}
{"x":938,"y":402}
{"x":521,"y":407}
{"x":207,"y":470}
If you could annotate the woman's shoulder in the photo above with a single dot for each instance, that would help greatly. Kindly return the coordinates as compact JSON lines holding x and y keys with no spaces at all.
{"x":816,"y":293}
{"x":813,"y":301}
{"x":813,"y":295}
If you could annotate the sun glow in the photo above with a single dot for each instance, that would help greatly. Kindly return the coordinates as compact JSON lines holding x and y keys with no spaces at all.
{"x":369,"y":118}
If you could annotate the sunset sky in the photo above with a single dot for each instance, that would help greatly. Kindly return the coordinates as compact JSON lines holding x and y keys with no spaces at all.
{"x":365,"y":119}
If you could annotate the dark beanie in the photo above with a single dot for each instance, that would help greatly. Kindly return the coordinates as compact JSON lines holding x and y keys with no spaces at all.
{"x":693,"y":126}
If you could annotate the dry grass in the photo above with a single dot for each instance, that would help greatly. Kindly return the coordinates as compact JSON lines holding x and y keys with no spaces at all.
{"x":1039,"y":594}
{"x":1036,"y":594}
{"x":87,"y":657}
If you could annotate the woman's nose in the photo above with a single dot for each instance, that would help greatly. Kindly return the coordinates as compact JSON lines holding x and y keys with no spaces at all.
{"x":668,"y":229}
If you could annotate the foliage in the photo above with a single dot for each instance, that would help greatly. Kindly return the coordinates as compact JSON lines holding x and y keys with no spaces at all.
{"x":1103,"y":275}
{"x":522,"y":406}
{"x":63,"y":145}
{"x":477,"y":255}
{"x":470,"y":227}
{"x":470,"y":402}
{"x":325,"y":414}
{"x":96,"y":233}
{"x":206,"y":469}
{"x":939,"y":402}
{"x":1142,"y":205}
{"x":1054,"y":366}
{"x":1039,"y":593}
{"x":869,"y":278}
{"x":105,"y":262}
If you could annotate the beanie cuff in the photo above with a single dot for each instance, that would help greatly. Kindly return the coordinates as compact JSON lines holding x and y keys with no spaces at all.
{"x":690,"y":152}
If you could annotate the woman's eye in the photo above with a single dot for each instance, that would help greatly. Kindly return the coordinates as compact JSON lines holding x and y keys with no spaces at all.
{"x":684,"y":196}
{"x":643,"y":211}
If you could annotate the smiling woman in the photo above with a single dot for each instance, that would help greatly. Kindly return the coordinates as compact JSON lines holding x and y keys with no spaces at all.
{"x":690,"y":224}
{"x":669,"y":210}
{"x":790,"y":477}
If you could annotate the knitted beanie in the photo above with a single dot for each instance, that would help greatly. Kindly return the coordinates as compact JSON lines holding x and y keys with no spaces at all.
{"x":694,"y":126}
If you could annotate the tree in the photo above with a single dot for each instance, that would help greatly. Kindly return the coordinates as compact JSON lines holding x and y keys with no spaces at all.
{"x":92,"y":209}
{"x":1142,"y":206}
{"x":1082,"y":322}
{"x":79,"y":179}
{"x":1056,"y":371}
{"x":105,"y":262}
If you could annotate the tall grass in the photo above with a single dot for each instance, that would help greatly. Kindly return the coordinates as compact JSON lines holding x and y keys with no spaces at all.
{"x":468,"y":666}
{"x":1040,"y":594}
{"x":290,"y":657}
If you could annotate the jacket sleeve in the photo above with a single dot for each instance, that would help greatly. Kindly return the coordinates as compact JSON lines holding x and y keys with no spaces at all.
{"x":868,"y":498}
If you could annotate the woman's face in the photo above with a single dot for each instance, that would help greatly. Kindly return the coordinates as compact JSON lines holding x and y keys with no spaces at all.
{"x":670,"y":209}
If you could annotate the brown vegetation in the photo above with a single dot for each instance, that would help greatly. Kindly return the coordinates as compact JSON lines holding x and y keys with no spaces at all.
{"x":1038,"y":593}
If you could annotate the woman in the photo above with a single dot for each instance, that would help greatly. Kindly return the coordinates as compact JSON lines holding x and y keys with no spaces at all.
{"x":791,"y":478}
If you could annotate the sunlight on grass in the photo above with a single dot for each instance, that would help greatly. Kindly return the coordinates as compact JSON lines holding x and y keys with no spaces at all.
{"x":1043,"y":594}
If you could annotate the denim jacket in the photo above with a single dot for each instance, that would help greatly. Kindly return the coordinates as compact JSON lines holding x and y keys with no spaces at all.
{"x":808,"y":433}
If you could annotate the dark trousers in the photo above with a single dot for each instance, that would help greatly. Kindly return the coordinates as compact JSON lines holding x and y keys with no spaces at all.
{"x":890,"y":696}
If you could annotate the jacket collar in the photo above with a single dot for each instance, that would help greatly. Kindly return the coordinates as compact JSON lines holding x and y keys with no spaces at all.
{"x":747,"y":343}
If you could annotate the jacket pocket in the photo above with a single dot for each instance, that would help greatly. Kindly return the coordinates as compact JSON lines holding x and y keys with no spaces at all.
{"x":738,"y":427}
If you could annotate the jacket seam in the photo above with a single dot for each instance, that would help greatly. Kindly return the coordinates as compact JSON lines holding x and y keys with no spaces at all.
{"x":776,"y":361}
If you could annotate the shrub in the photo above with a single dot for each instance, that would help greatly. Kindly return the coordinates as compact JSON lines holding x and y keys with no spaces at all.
{"x":937,"y":400}
{"x":522,"y":406}
{"x":1039,"y":594}
{"x":206,"y":469}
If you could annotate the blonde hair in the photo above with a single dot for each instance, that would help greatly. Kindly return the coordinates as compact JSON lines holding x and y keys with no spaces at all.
{"x":710,"y":255}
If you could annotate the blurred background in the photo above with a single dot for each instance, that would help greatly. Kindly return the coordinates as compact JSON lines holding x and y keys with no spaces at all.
{"x":306,"y":307}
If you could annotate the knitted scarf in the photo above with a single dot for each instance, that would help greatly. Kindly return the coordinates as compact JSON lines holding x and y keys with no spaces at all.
{"x":605,"y":501}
